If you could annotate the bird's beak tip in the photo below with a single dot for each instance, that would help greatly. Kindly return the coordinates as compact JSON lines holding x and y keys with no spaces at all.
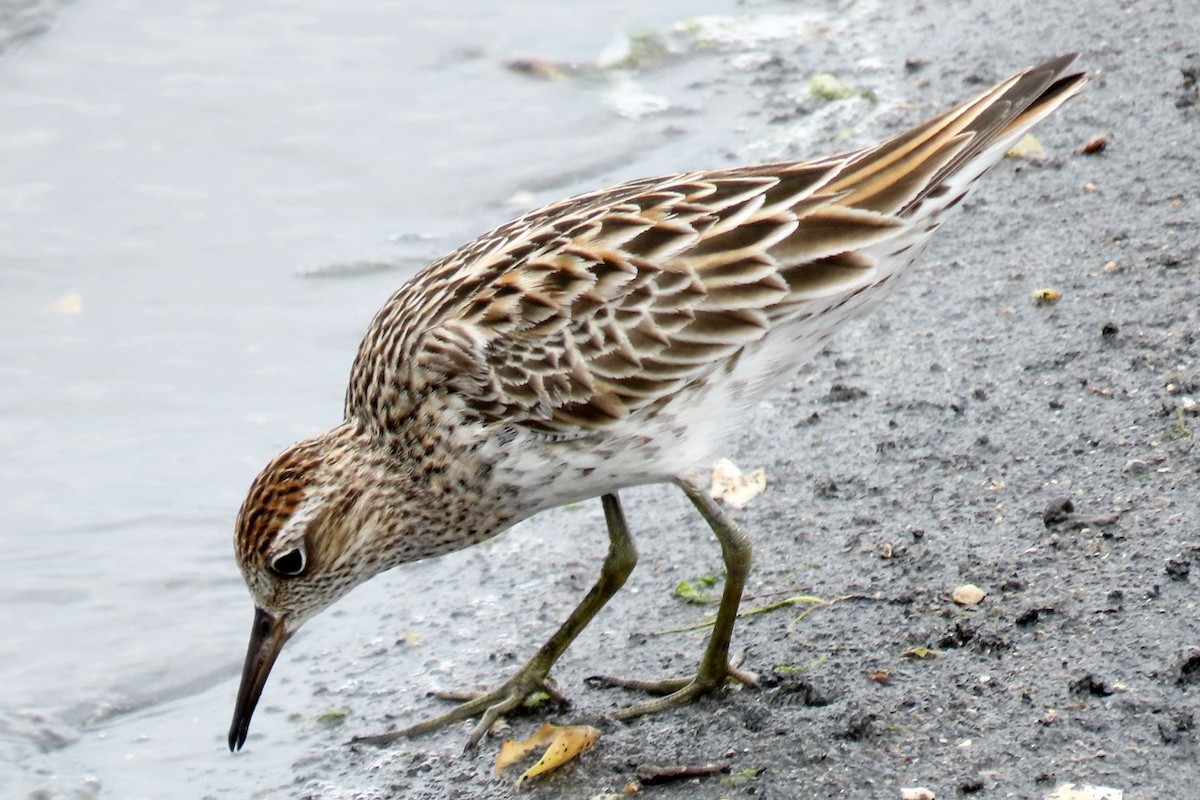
{"x":267,"y":637}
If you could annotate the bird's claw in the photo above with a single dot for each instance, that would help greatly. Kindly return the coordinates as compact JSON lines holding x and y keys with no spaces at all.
{"x":675,"y":691}
{"x":489,"y":706}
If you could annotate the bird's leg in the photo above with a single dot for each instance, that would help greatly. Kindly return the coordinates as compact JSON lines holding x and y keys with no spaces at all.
{"x":534,"y":676}
{"x":714,"y":670}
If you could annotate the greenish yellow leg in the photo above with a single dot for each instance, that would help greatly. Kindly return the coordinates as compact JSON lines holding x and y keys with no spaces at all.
{"x":714,"y":670}
{"x":534,"y":676}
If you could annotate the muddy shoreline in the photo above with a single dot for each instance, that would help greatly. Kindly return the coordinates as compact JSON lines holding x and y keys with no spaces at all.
{"x":919,"y":453}
{"x":932,"y":445}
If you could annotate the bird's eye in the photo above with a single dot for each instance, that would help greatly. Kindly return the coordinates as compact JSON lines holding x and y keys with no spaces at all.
{"x":289,"y":564}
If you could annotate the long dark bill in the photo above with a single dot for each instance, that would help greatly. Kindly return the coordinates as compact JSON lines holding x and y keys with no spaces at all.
{"x":267,"y":637}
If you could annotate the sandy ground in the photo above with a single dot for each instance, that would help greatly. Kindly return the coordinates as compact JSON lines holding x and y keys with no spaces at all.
{"x":921,"y":452}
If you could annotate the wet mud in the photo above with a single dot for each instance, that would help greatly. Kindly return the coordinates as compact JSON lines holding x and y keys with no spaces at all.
{"x":964,"y":433}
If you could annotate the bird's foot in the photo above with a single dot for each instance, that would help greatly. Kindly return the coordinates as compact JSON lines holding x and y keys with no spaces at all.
{"x":521,"y":689}
{"x":675,"y":691}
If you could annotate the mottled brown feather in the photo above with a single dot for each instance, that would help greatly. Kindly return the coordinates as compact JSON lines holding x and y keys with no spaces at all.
{"x":647,"y":286}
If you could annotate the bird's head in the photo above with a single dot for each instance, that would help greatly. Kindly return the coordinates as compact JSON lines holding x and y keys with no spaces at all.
{"x":332,"y":511}
{"x":307,"y":533}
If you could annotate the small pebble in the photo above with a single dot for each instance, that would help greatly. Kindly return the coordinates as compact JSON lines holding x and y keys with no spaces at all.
{"x":1095,"y":144}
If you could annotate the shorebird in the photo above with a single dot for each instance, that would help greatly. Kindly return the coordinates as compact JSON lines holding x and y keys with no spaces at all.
{"x":602,"y":342}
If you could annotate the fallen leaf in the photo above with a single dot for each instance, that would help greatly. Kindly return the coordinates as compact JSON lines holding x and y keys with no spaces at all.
{"x":968,"y":595}
{"x":563,"y":743}
{"x":829,"y":88}
{"x":920,"y":651}
{"x":741,"y":776}
{"x":693,"y":593}
{"x":568,"y":743}
{"x":68,"y":305}
{"x":1046,"y":297}
{"x":512,"y":750}
{"x":334,"y":716}
{"x":1028,"y":148}
{"x":735,"y":488}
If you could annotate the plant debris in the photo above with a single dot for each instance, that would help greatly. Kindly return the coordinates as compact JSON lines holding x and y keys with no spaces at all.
{"x":1060,"y":513}
{"x":651,"y":774}
{"x":693,"y":592}
{"x":879,"y":675}
{"x":1046,"y":297}
{"x":334,"y":716}
{"x":829,"y":88}
{"x":563,"y":743}
{"x":920,"y":652}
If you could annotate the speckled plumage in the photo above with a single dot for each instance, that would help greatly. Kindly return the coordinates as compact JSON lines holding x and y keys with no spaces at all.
{"x":605,"y":341}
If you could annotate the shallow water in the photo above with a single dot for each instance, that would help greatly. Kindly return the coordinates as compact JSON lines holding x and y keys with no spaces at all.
{"x":200,"y":208}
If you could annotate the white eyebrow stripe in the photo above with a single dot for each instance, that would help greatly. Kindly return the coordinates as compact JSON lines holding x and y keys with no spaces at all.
{"x":292,"y":532}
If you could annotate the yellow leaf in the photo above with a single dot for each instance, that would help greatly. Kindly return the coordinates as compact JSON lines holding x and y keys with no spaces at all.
{"x":1046,"y":296}
{"x":568,"y":743}
{"x":511,"y":750}
{"x":920,"y":651}
{"x":563,"y":744}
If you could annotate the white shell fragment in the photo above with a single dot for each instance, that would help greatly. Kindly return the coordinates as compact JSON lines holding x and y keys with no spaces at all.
{"x":734,"y":487}
{"x":968,"y":595}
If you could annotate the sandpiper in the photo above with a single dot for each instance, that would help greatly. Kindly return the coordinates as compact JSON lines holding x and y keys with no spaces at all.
{"x":614,"y":339}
